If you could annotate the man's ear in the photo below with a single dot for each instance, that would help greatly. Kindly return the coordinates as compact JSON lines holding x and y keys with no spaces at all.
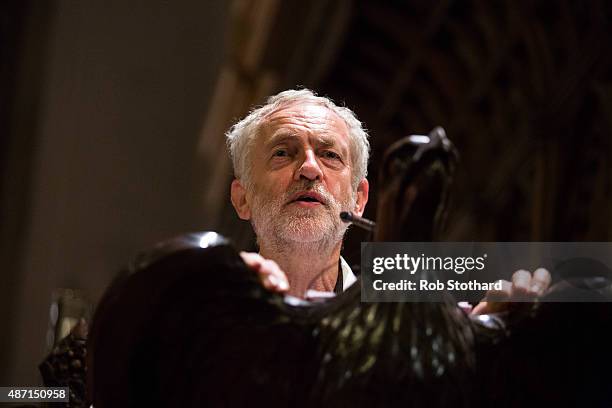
{"x":362,"y":196}
{"x":239,"y":200}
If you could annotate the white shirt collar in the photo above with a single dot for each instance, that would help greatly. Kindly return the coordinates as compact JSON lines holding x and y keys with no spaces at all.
{"x":348,"y":277}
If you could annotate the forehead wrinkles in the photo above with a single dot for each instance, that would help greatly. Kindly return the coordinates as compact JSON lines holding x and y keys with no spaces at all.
{"x":307,"y":117}
{"x":314,"y":119}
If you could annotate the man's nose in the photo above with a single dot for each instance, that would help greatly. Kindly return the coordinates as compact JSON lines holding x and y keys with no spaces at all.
{"x":310,"y":168}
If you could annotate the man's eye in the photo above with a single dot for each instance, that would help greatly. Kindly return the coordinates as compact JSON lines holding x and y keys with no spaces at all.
{"x":280,"y":153}
{"x":328,"y":154}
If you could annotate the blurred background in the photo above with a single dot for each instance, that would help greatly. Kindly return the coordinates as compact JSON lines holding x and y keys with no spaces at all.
{"x":112,"y":115}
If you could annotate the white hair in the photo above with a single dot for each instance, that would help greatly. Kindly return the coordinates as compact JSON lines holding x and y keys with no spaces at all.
{"x":240,"y":136}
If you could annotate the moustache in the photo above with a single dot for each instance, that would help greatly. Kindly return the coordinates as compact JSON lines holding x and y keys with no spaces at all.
{"x":309,"y":187}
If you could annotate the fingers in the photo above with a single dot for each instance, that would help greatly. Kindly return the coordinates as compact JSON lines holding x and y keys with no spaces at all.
{"x":481,"y":308}
{"x":273,"y":277}
{"x":270,"y":274}
{"x":500,"y":295}
{"x":521,"y":284}
{"x":495,"y":300}
{"x":524,"y":287}
{"x":540,"y":281}
{"x":252,"y":260}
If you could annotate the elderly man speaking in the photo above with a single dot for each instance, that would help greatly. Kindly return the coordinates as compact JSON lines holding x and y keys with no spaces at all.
{"x":299,"y":161}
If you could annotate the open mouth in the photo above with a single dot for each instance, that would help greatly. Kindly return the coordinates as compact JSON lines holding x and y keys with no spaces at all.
{"x":308,"y":198}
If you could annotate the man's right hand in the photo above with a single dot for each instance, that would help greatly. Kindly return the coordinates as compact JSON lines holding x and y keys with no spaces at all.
{"x":270,"y":274}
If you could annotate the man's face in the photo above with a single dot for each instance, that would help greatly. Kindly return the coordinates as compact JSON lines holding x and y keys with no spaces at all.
{"x":301,"y":177}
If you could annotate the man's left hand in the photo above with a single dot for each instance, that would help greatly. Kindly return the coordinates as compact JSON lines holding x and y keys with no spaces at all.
{"x":524,"y":287}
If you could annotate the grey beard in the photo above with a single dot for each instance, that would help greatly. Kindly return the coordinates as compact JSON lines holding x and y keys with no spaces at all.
{"x":293,"y":229}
